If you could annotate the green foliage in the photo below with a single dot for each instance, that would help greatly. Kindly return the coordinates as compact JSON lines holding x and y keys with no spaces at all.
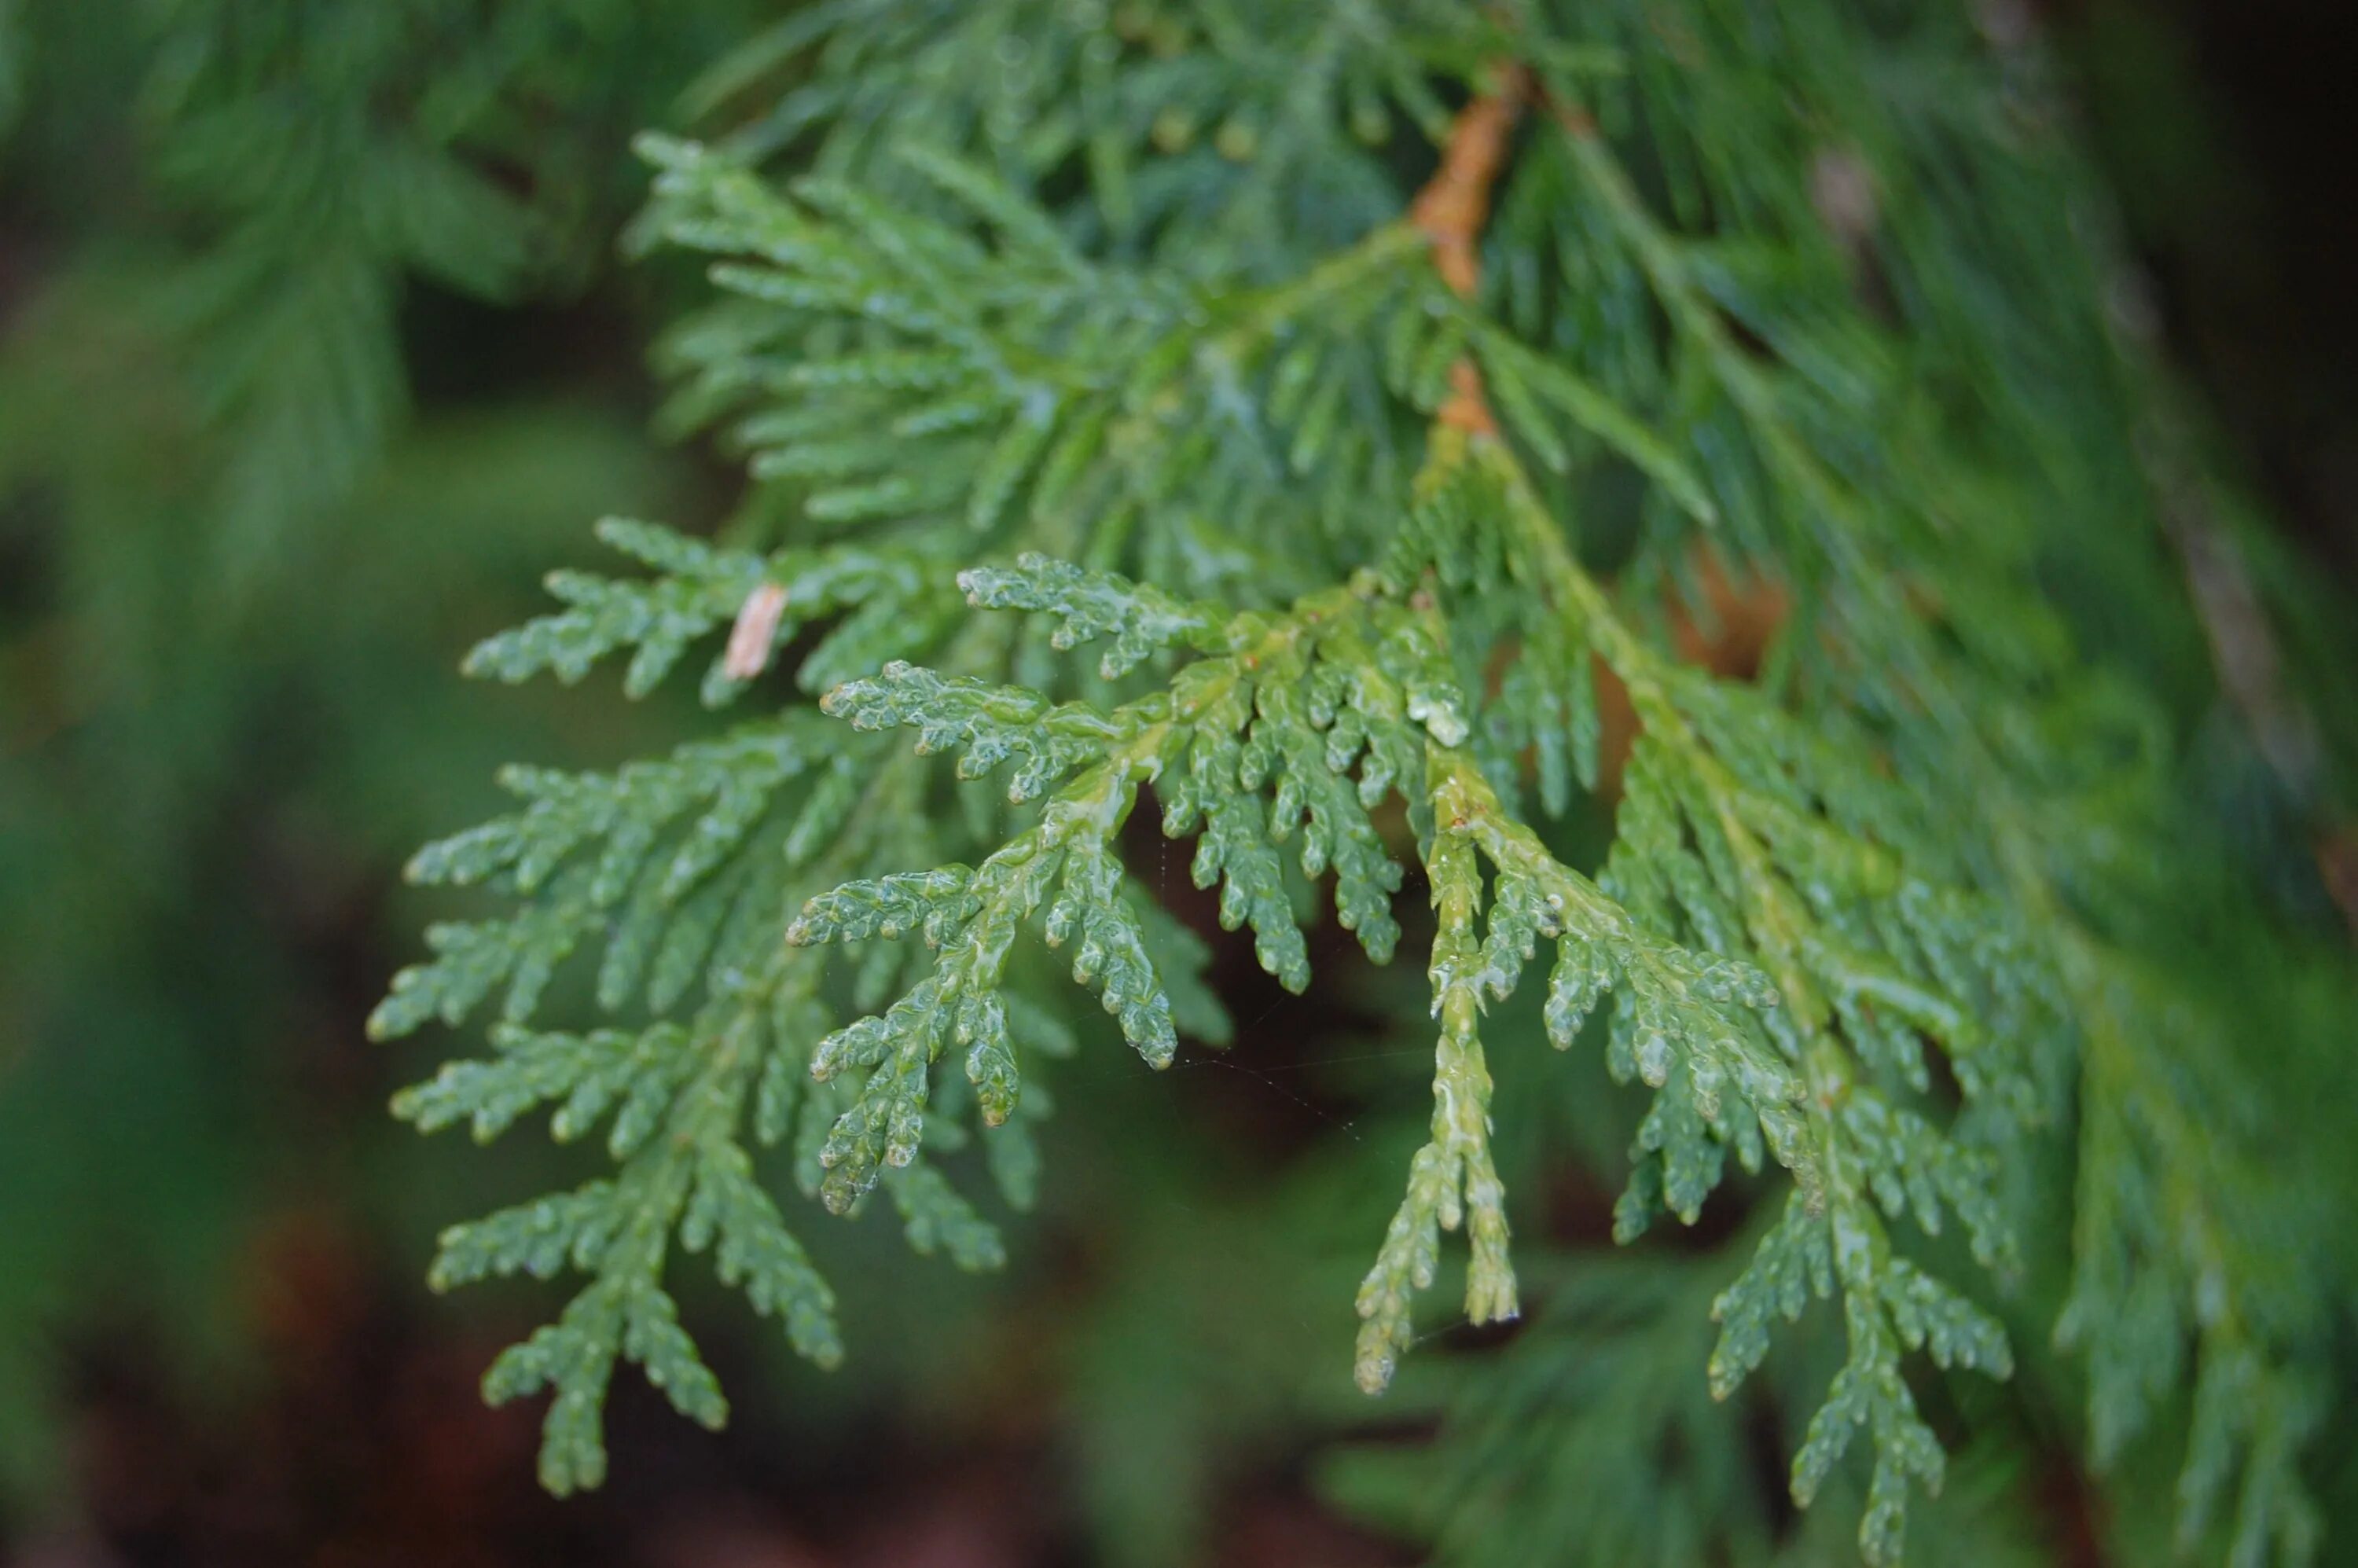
{"x":237,"y":560}
{"x":1123,"y":317}
{"x":1589,"y":1431}
{"x":655,"y":860}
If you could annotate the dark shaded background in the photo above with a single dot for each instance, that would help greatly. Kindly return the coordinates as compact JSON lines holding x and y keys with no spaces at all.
{"x":2227,"y":127}
{"x":293,"y":1395}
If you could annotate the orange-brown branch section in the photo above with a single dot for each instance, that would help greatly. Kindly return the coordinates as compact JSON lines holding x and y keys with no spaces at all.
{"x":1450,"y":211}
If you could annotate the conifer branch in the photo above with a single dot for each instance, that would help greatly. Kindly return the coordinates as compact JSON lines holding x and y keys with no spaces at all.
{"x":1834,"y":1223}
{"x":1034,"y":363}
{"x":2118,"y":1089}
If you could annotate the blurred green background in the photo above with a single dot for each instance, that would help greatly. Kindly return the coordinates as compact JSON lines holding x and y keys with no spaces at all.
{"x":314,"y":352}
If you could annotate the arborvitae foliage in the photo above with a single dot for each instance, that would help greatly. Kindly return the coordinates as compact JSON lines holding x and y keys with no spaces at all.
{"x":236,"y":545}
{"x":1389,"y":400}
